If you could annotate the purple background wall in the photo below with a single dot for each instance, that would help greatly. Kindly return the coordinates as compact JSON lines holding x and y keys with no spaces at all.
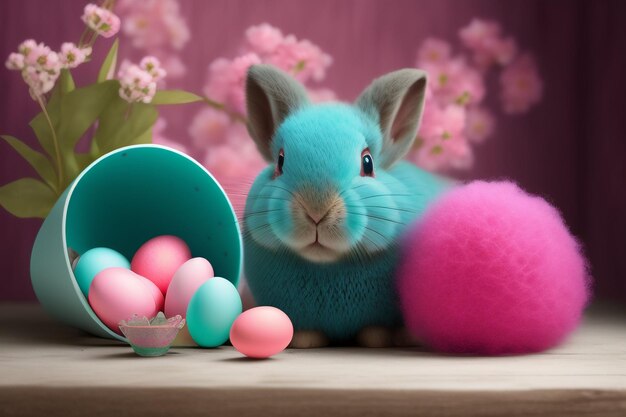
{"x":570,"y":149}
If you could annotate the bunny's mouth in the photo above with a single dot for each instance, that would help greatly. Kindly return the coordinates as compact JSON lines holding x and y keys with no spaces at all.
{"x":318,"y":252}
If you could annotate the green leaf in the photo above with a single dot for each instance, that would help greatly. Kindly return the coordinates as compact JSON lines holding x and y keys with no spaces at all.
{"x":123,"y":124}
{"x":175,"y":97}
{"x":108,"y":66}
{"x":27,"y":197}
{"x":36,"y":159}
{"x":66,"y":82}
{"x":71,"y":115}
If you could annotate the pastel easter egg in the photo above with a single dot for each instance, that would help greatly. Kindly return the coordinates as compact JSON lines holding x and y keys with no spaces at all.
{"x":212,"y":311}
{"x":261,"y":332}
{"x":117,"y":294}
{"x":185,"y":282}
{"x":159,"y":258}
{"x":157,"y":295}
{"x":90,"y":263}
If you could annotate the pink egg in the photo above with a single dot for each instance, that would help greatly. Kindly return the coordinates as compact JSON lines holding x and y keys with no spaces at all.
{"x":159,"y":258}
{"x":261,"y":332}
{"x":159,"y":300}
{"x":187,"y":279}
{"x":117,"y":294}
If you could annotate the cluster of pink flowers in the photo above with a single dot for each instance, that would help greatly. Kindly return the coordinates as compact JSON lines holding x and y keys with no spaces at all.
{"x":230,"y":154}
{"x":138,"y":83}
{"x":158,"y":28}
{"x":102,"y":21}
{"x":264,"y":44}
{"x":454,"y":116}
{"x":40,"y":66}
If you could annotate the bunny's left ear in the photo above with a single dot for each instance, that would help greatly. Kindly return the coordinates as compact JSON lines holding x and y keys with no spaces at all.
{"x":396,"y":101}
{"x":271,"y":95}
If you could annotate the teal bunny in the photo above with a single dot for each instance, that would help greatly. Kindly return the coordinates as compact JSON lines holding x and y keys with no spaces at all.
{"x":323,"y":222}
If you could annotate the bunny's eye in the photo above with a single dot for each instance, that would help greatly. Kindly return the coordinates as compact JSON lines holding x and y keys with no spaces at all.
{"x":279,"y":164}
{"x":367,"y":163}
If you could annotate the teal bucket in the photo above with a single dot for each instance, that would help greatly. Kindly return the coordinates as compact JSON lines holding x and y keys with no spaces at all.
{"x":120,"y":201}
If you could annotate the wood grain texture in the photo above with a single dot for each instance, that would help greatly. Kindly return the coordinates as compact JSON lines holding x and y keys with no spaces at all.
{"x":289,"y":402}
{"x":46,"y":366}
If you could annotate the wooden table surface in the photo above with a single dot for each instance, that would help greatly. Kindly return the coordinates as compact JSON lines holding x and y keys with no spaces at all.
{"x":47,"y":368}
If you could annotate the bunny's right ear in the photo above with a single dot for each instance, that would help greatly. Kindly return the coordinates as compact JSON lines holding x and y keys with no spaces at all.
{"x":271,"y":95}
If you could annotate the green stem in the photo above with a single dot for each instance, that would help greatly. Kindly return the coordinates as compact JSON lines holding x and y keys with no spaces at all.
{"x":57,"y":151}
{"x":221,"y":107}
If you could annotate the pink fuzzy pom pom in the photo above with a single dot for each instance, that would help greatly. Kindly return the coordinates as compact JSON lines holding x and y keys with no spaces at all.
{"x":492,"y":270}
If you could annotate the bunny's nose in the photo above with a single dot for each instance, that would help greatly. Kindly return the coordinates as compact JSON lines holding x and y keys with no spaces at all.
{"x":315,"y":217}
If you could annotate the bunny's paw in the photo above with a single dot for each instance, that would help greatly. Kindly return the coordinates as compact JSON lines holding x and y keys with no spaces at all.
{"x":375,"y":337}
{"x":308,"y":339}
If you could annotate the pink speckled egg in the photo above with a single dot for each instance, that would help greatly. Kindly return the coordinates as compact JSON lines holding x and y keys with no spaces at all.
{"x":117,"y":294}
{"x":261,"y":332}
{"x":185,"y":282}
{"x":159,"y":258}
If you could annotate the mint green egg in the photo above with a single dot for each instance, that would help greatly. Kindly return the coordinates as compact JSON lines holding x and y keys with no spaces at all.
{"x":211,"y":312}
{"x":95,"y":260}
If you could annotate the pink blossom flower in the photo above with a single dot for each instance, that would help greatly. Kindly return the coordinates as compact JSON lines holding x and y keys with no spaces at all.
{"x":15,"y":61}
{"x":263,"y":39}
{"x":434,"y":51}
{"x":154,"y":24}
{"x":241,"y":162}
{"x":153,"y":67}
{"x":302,"y":59}
{"x":441,"y":142}
{"x":484,"y":39}
{"x":477,"y":31}
{"x":521,"y":86}
{"x":100,"y":20}
{"x":479,"y":125}
{"x":72,"y":56}
{"x":227,"y":78}
{"x":209,"y":127}
{"x":39,"y":65}
{"x":136,"y":84}
{"x":454,"y":81}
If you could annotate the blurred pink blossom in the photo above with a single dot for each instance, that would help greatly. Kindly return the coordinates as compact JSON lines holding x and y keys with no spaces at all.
{"x":263,"y":39}
{"x":434,"y":51}
{"x":303,"y":59}
{"x":227,"y":78}
{"x":479,"y":125}
{"x":454,"y":81}
{"x":441,"y":142}
{"x":484,"y":39}
{"x":209,"y":127}
{"x":227,"y":162}
{"x":154,"y":24}
{"x":521,"y":86}
{"x":158,"y":28}
{"x":102,"y":21}
{"x":477,"y":31}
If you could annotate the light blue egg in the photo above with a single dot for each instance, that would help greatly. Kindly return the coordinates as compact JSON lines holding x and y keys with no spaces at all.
{"x":95,"y":260}
{"x":211,"y":312}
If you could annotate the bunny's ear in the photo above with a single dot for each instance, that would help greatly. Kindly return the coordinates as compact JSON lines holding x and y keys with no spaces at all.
{"x":396,"y":101}
{"x":271,"y":95}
